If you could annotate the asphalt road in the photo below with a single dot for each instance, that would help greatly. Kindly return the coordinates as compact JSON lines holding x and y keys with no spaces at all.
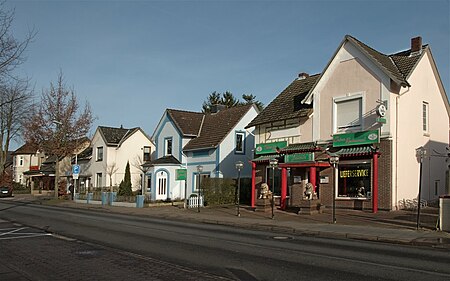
{"x":180,"y":249}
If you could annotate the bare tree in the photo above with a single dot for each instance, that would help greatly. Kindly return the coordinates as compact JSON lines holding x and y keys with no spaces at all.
{"x":138,"y":163}
{"x":11,"y":49}
{"x":58,"y":123}
{"x":17,"y":101}
{"x":110,"y":171}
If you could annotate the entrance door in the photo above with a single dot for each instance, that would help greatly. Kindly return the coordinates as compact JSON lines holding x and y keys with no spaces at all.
{"x":161,"y":186}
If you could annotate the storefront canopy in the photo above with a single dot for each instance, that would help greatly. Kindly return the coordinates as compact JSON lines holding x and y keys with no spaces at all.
{"x":356,"y":151}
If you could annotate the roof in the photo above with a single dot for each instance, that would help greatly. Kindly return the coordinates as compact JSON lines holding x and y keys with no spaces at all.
{"x":216,"y":127}
{"x":300,"y":147}
{"x":27,"y":148}
{"x":165,"y":160}
{"x":397,"y":66}
{"x":287,"y":105}
{"x":187,"y":122}
{"x":114,"y":136}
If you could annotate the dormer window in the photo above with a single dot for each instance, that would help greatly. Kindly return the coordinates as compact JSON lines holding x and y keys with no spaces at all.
{"x":168,"y":146}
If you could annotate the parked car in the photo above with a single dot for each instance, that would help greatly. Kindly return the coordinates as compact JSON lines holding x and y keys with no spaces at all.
{"x":5,"y":191}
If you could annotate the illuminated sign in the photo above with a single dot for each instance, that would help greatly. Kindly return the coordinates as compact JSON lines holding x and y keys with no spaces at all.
{"x":354,"y":173}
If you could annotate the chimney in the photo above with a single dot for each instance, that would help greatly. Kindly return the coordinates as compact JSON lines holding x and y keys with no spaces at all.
{"x":217,"y":107}
{"x":416,"y":44}
{"x":302,"y":75}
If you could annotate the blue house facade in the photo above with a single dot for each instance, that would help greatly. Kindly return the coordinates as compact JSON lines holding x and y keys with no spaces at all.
{"x":187,"y":140}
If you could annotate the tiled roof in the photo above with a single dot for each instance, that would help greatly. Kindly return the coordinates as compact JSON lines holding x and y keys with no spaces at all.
{"x":27,"y":148}
{"x":355,"y":151}
{"x":265,"y":158}
{"x":113,"y":136}
{"x":300,"y":147}
{"x":405,"y":61}
{"x":165,"y":160}
{"x":188,"y":122}
{"x":216,"y":126}
{"x":287,"y":105}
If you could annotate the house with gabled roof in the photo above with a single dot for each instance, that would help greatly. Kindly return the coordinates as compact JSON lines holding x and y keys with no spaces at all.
{"x":376,"y":113}
{"x":186,"y":140}
{"x":25,"y":158}
{"x":112,"y":148}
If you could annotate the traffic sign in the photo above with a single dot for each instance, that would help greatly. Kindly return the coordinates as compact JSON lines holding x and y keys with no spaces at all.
{"x":75,"y":171}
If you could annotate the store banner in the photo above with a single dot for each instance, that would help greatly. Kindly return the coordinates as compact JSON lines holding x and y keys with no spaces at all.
{"x":358,"y":138}
{"x":271,"y":147}
{"x":299,"y":157}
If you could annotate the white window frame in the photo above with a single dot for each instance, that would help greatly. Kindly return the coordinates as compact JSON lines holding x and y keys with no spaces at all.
{"x":21,"y":161}
{"x":425,"y":117}
{"x":149,"y":153}
{"x":97,"y":156}
{"x":99,"y":177}
{"x":349,"y":97}
{"x":240,"y":133}
{"x":166,"y":142}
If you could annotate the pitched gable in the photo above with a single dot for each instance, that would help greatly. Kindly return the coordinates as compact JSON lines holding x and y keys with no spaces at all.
{"x":216,"y":127}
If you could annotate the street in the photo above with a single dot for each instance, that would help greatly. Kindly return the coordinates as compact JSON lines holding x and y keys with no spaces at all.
{"x":90,"y":245}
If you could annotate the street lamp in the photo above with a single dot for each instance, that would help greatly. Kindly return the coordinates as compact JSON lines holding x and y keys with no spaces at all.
{"x":199,"y":170}
{"x":239,"y":166}
{"x":421,"y":153}
{"x":334,"y":160}
{"x":273,"y":163}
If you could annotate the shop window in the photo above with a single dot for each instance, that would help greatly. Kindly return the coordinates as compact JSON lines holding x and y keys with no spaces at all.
{"x":354,"y":180}
{"x":348,"y":113}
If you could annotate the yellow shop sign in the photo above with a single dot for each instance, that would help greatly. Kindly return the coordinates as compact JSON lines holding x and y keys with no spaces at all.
{"x":354,"y":173}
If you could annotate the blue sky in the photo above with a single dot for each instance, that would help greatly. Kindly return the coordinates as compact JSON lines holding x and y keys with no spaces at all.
{"x":133,"y":59}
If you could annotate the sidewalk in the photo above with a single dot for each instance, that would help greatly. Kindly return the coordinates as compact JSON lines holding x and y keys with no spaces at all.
{"x":391,"y":227}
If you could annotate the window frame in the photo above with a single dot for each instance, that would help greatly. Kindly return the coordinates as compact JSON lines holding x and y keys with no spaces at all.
{"x":425,"y":117}
{"x":148,"y":154}
{"x":342,"y":99}
{"x":98,"y":155}
{"x":240,"y":133}
{"x":166,"y":141}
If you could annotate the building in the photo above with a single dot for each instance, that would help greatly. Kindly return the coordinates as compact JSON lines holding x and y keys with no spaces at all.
{"x":25,"y":159}
{"x":188,"y":140}
{"x":112,"y":149}
{"x":376,"y":112}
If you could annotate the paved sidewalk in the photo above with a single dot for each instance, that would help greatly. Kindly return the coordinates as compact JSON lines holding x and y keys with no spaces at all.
{"x":391,"y":227}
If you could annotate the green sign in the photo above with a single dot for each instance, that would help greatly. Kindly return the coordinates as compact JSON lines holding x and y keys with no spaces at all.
{"x":358,"y":138}
{"x":271,"y":147}
{"x":181,"y":174}
{"x":299,"y":157}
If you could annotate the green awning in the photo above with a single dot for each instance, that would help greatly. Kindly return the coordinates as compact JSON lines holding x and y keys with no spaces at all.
{"x":299,"y":147}
{"x":264,"y":158}
{"x":356,"y":151}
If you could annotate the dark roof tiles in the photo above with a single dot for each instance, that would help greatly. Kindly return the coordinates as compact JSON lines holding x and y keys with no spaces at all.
{"x":287,"y":105}
{"x":113,"y":136}
{"x":216,"y":127}
{"x":187,"y":122}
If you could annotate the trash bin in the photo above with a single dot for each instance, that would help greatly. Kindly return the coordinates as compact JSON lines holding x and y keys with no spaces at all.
{"x":112,"y":197}
{"x":89,"y":197}
{"x":139,"y":201}
{"x":104,"y":198}
{"x":444,"y":212}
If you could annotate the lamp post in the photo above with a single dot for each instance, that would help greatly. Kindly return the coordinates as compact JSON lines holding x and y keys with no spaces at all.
{"x":421,"y":153}
{"x":334,"y":160}
{"x":199,"y":170}
{"x":273,"y":163}
{"x":239,"y":166}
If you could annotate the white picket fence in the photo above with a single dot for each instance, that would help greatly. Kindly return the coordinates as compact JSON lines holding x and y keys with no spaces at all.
{"x":194,"y":201}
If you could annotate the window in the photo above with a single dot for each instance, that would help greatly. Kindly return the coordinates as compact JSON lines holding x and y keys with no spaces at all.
{"x":203,"y":177}
{"x":168,"y":146}
{"x":348,"y":112}
{"x":436,"y":187}
{"x":21,"y":159}
{"x":147,"y":153}
{"x":425,"y":107}
{"x":240,"y":145}
{"x":100,"y":153}
{"x":354,"y":180}
{"x":99,"y":180}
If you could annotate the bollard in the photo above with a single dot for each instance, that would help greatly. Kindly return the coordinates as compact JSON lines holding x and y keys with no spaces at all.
{"x":112,"y":197}
{"x":139,"y":201}
{"x":104,"y":198}
{"x":89,"y":197}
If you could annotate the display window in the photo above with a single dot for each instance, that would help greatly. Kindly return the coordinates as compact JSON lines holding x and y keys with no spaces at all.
{"x":354,"y":180}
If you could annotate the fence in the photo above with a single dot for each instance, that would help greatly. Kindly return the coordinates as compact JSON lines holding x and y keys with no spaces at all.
{"x":194,"y":201}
